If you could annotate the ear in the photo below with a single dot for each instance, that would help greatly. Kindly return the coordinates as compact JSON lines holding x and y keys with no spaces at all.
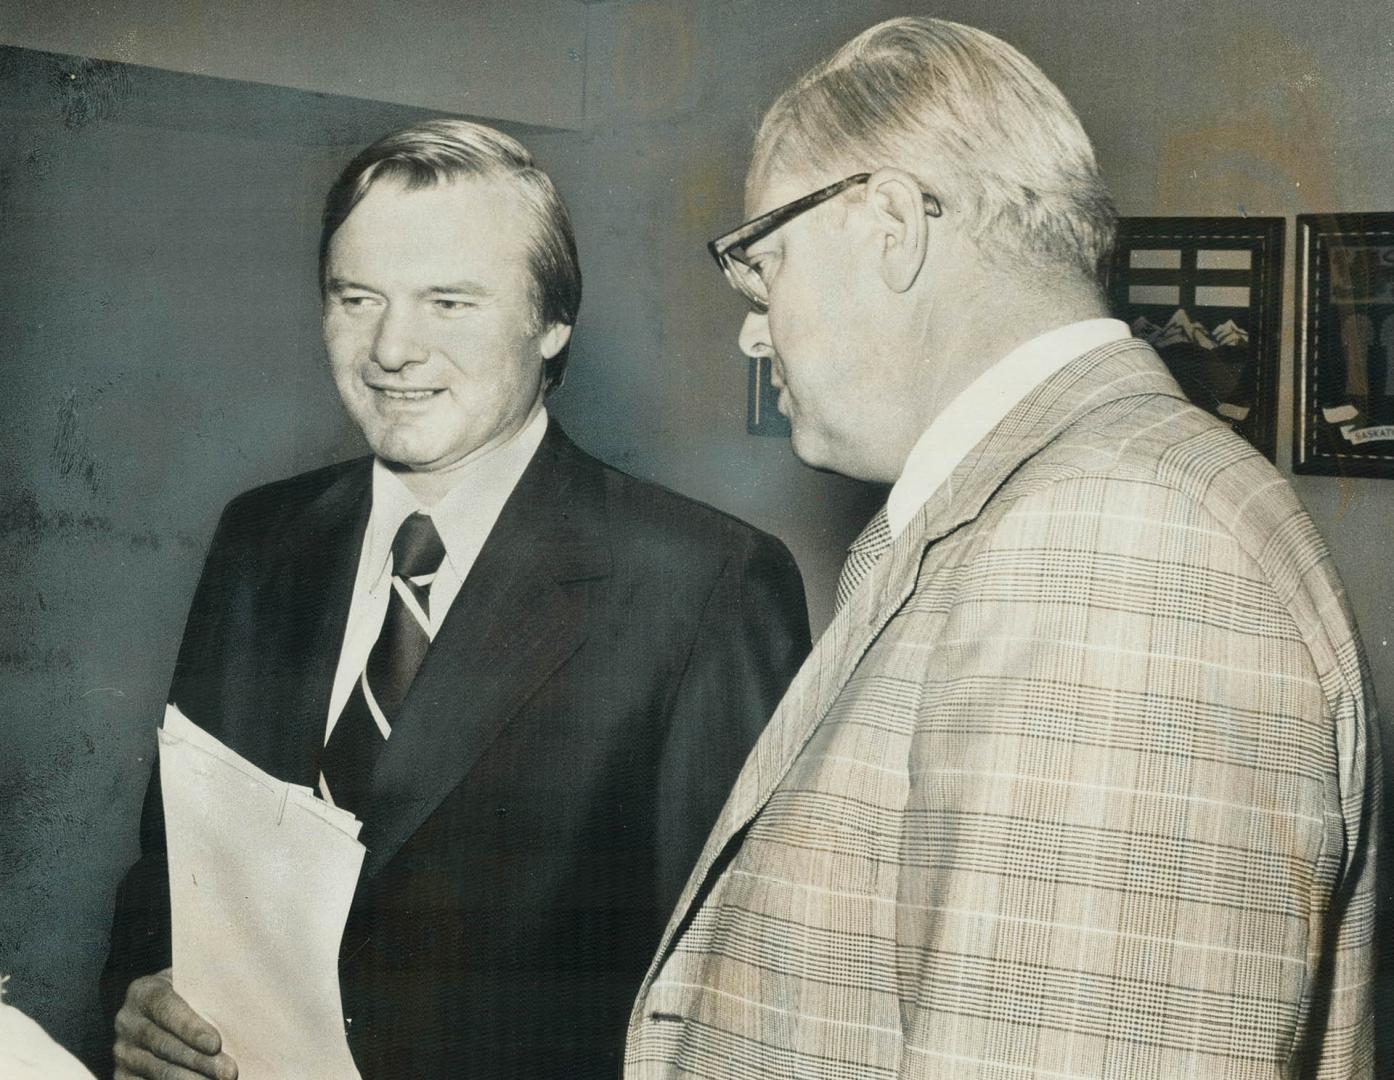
{"x":902,"y":225}
{"x":553,"y":339}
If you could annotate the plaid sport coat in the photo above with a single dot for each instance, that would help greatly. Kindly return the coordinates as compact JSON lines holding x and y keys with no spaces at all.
{"x":1081,"y":782}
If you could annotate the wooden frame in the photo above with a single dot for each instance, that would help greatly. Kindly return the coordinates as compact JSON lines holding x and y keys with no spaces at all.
{"x":1343,"y":396}
{"x":1206,"y":293}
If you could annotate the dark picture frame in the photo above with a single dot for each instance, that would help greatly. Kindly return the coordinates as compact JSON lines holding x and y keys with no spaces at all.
{"x":1343,"y":396}
{"x":1206,"y":292}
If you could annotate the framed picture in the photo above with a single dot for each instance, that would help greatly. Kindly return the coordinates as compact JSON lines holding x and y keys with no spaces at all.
{"x":1205,"y":292}
{"x":1344,"y":396}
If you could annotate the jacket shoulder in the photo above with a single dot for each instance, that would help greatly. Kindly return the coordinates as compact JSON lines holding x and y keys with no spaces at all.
{"x":1175,"y":447}
{"x":645,"y":514}
{"x":1168,"y":463}
{"x":263,"y":505}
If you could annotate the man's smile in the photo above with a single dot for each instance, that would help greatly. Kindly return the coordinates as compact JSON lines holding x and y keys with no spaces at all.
{"x":395,"y":393}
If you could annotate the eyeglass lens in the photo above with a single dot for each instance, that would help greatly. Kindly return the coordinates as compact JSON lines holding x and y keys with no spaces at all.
{"x":747,"y":281}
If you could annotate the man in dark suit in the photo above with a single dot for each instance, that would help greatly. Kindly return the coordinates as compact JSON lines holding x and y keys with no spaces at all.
{"x":532,"y":676}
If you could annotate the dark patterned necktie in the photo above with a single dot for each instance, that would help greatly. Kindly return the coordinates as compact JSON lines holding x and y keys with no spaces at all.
{"x":346,"y":765}
{"x":865,"y":552}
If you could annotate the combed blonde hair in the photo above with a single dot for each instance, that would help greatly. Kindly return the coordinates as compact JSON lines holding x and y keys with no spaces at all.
{"x":977,"y":123}
{"x":438,"y":151}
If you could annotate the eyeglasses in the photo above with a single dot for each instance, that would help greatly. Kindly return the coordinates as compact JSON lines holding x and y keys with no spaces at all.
{"x":729,"y":250}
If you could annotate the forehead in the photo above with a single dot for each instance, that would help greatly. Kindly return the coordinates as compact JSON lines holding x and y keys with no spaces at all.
{"x":474,"y":218}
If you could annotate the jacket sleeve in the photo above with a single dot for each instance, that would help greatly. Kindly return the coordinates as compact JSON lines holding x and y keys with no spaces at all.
{"x":751,"y":639}
{"x":140,"y":933}
{"x":1139,"y":816}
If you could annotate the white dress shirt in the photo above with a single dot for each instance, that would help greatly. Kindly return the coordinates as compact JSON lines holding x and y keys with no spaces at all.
{"x":463,"y":518}
{"x":982,"y":406}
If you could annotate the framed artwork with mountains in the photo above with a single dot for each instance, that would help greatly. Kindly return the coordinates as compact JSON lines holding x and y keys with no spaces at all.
{"x":1344,"y":395}
{"x":1206,"y":293}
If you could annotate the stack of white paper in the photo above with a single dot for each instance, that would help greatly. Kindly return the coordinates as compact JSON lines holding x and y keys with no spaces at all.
{"x":261,"y":876}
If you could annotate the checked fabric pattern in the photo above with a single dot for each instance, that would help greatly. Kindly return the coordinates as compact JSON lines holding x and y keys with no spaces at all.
{"x":871,"y":543}
{"x":1081,"y":784}
{"x":346,"y":767}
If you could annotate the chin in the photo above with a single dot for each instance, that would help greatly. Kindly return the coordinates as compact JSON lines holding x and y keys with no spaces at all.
{"x":823,"y":456}
{"x":402,"y":453}
{"x":808,"y":450}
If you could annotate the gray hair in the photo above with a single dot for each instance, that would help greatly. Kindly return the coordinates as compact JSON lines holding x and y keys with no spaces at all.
{"x":977,"y":123}
{"x":437,"y":151}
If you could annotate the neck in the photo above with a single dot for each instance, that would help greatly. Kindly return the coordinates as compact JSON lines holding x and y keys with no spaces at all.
{"x":429,"y":486}
{"x":991,"y":320}
{"x":959,"y":334}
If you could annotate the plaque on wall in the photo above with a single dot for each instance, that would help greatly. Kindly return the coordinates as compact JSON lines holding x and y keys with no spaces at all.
{"x":1344,"y":393}
{"x":1205,"y":293}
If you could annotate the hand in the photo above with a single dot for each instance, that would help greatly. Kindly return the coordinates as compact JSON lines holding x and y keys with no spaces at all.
{"x":159,"y":1037}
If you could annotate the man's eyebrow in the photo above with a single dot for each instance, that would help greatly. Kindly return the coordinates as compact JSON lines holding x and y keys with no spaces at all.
{"x":470,"y":288}
{"x":473,"y":288}
{"x":338,"y":284}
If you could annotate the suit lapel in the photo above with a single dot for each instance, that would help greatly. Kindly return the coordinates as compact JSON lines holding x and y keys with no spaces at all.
{"x":1103,"y":376}
{"x":318,"y":566}
{"x":518,"y":616}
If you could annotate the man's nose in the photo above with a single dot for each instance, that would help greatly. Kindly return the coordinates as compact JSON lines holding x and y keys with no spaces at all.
{"x":755,"y":335}
{"x":397,"y":342}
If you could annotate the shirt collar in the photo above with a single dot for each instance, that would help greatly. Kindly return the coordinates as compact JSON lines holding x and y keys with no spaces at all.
{"x":982,"y":406}
{"x":473,"y":501}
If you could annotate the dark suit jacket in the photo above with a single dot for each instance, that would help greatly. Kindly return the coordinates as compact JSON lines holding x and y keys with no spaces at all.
{"x":568,"y":741}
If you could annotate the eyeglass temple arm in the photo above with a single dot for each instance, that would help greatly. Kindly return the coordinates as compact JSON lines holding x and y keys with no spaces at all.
{"x":765,"y":223}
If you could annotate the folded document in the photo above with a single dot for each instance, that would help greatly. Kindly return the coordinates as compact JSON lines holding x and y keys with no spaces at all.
{"x":261,"y":876}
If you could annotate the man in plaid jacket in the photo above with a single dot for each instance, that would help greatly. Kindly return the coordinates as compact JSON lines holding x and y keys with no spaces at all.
{"x":1082,"y":780}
